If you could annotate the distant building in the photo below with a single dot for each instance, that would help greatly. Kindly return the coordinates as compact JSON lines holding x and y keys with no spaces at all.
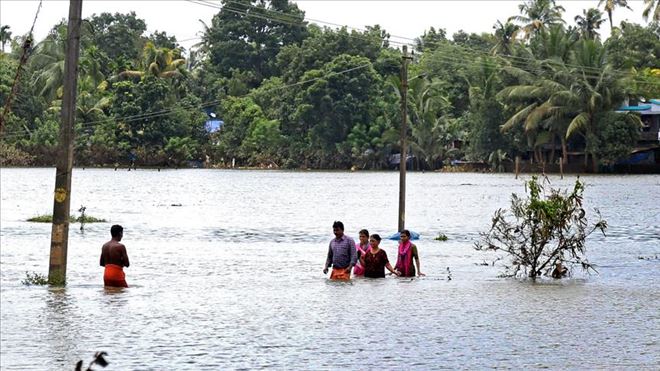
{"x":647,"y":150}
{"x":649,"y":112}
{"x":213,"y":123}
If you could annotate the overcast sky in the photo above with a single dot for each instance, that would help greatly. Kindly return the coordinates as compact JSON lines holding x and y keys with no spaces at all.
{"x":407,"y":19}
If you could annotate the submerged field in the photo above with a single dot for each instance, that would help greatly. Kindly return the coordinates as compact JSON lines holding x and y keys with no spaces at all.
{"x":226,"y":273}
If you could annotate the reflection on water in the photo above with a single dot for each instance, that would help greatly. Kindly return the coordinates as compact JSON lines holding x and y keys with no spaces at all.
{"x":232,"y":277}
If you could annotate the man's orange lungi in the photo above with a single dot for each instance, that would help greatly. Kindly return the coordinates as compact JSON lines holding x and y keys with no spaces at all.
{"x":114,"y":276}
{"x":340,"y":274}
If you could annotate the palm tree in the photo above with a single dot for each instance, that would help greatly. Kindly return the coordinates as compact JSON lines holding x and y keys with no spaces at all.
{"x":48,"y":63}
{"x":537,"y":15}
{"x":570,"y":96}
{"x":610,"y":5}
{"x":591,"y":21}
{"x":554,"y":42}
{"x":5,"y":35}
{"x":505,"y":35}
{"x":541,"y":119}
{"x":158,"y":62}
{"x":650,"y":4}
{"x":426,"y":121}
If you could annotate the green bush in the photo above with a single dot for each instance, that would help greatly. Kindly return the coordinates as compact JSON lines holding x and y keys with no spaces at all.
{"x":545,"y":229}
{"x":441,"y":237}
{"x":48,"y":218}
{"x":34,"y":279}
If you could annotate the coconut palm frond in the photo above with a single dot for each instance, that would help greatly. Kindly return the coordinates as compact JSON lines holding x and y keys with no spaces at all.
{"x":519,"y":117}
{"x":579,"y":123}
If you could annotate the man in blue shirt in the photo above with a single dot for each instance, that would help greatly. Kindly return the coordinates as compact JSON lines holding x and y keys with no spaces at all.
{"x":341,"y":254}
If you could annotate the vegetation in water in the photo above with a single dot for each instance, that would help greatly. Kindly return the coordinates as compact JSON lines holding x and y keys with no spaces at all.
{"x":48,"y":218}
{"x":541,"y":230}
{"x":35,"y":279}
{"x":441,"y":237}
{"x":99,"y":359}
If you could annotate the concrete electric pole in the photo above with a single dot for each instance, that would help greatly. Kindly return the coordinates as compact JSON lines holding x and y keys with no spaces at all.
{"x":404,"y":128}
{"x":59,"y":240}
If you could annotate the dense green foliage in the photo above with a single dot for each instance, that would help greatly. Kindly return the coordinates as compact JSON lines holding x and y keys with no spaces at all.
{"x":542,"y":230}
{"x":293,"y":94}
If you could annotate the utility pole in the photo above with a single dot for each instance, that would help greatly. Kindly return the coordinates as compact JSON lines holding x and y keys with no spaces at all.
{"x":59,"y":240}
{"x":404,"y":128}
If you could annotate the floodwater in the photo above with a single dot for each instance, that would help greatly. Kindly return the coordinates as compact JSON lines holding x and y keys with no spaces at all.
{"x":232,"y":278}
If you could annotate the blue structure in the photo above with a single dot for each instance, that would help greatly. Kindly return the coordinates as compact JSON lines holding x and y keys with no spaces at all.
{"x":647,"y":149}
{"x":649,"y":113}
{"x":214,"y":125}
{"x":396,"y":236}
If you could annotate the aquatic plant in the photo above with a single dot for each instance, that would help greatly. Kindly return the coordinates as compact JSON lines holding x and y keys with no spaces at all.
{"x":546,"y":228}
{"x":35,"y":279}
{"x":99,"y":359}
{"x":441,"y":237}
{"x":48,"y":218}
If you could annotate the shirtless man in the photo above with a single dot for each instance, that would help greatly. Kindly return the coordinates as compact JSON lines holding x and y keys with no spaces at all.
{"x":114,"y":258}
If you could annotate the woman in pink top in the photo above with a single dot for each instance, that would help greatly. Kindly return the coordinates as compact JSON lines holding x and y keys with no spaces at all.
{"x":407,"y":252}
{"x":362,"y":248}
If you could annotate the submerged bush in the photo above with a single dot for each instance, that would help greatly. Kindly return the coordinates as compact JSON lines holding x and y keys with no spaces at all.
{"x":545,"y":229}
{"x":35,"y":279}
{"x":441,"y":237}
{"x":99,"y":359}
{"x":48,"y":218}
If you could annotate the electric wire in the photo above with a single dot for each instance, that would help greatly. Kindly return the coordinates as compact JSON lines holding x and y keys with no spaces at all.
{"x":412,"y":42}
{"x":161,"y":113}
{"x":447,"y":60}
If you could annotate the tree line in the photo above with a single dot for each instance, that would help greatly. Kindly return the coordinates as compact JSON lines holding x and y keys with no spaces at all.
{"x":297,"y":95}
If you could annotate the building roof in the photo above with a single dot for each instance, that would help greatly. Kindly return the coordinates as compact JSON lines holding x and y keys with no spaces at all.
{"x":652,"y":107}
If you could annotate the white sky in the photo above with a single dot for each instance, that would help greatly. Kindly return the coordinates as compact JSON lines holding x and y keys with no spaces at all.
{"x":408,"y":19}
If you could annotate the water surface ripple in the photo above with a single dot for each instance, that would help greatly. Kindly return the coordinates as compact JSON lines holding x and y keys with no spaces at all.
{"x":226,"y":274}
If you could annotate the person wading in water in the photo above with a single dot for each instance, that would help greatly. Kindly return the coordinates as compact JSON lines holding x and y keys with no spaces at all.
{"x":114,"y":258}
{"x":341,"y":254}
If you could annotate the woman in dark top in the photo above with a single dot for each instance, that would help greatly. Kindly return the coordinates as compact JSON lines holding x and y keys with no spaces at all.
{"x":375,"y":260}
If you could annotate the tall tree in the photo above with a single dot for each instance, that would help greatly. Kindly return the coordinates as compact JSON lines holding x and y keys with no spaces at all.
{"x":485,"y":112}
{"x":47,"y":62}
{"x":610,"y":5}
{"x":332,"y":104}
{"x":248,"y":34}
{"x":118,"y":35}
{"x":430,"y":39}
{"x":537,"y":15}
{"x":589,"y":22}
{"x":5,"y":36}
{"x":635,"y":46}
{"x":652,"y":6}
{"x":159,"y":62}
{"x":505,"y":36}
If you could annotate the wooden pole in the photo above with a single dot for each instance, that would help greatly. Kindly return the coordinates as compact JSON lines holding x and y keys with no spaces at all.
{"x":517,"y":166}
{"x":404,"y":116}
{"x":62,"y":200}
{"x":561,"y":168}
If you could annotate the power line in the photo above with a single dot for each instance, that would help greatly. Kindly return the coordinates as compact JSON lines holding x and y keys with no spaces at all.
{"x":412,"y":42}
{"x":151,"y":115}
{"x":446,"y":59}
{"x":279,"y":20}
{"x":27,"y":45}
